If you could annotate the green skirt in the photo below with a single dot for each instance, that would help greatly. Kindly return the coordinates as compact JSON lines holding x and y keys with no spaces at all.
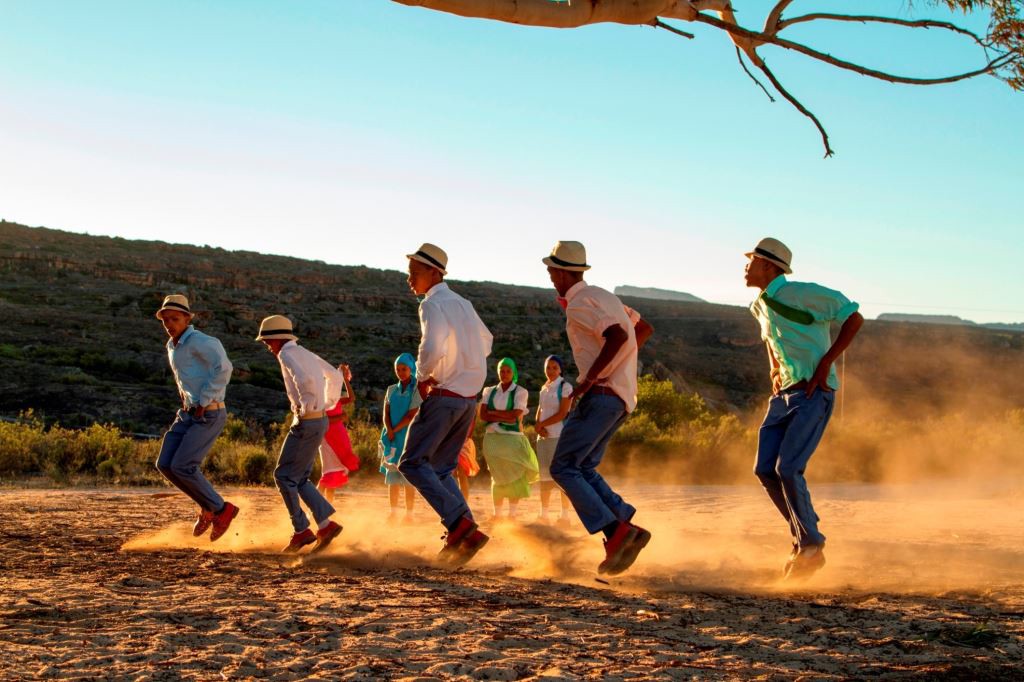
{"x":512,"y":463}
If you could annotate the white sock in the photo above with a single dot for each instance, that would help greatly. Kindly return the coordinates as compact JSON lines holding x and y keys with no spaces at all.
{"x":323,"y":524}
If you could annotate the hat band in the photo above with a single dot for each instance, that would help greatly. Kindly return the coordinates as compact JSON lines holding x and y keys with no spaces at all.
{"x":564,"y":263}
{"x":433,"y":261}
{"x":172,"y":304}
{"x":768,"y":254}
{"x":275,"y":332}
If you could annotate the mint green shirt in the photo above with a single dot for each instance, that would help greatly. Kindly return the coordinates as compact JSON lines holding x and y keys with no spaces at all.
{"x":800,"y":347}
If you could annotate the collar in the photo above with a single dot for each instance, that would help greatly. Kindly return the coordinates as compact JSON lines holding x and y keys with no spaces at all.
{"x":181,"y":339}
{"x":288,"y":344}
{"x":440,"y":286}
{"x":511,"y":387}
{"x":575,"y":289}
{"x":774,"y":286}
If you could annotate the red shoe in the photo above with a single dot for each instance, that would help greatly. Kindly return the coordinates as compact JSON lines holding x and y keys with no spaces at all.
{"x":467,"y":549}
{"x":808,"y":561}
{"x":222,"y":520}
{"x":631,"y":550}
{"x":202,"y":523}
{"x":300,"y":540}
{"x":454,"y":537}
{"x":325,"y":535}
{"x":616,"y":546}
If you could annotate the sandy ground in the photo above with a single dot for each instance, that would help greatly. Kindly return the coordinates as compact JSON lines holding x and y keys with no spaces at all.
{"x":109,"y":584}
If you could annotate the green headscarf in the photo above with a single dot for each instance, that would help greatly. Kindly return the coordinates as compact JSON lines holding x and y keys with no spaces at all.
{"x":511,"y":364}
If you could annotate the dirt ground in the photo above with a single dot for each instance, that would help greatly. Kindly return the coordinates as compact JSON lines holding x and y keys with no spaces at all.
{"x":110,"y":585}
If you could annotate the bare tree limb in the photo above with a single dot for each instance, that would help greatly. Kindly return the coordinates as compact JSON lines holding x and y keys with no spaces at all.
{"x":757,"y":39}
{"x":772,"y":24}
{"x":796,"y":103}
{"x":743,"y":64}
{"x":658,"y":23}
{"x":910,"y":23}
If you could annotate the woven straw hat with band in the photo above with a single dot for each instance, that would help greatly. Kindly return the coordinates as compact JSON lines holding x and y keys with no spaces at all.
{"x":570,"y":256}
{"x":431,"y":255}
{"x":774,"y":251}
{"x":276,"y":327}
{"x":175,"y":302}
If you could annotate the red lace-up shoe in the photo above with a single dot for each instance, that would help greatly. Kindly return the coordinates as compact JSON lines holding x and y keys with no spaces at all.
{"x":631,"y":550}
{"x":300,"y":540}
{"x":203,"y":523}
{"x":467,"y":549}
{"x":615,"y":547}
{"x":808,"y":561}
{"x":222,"y":520}
{"x":325,"y":535}
{"x":455,"y":536}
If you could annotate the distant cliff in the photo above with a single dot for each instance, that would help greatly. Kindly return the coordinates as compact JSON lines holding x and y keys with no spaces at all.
{"x":656,"y":294}
{"x":79,"y":342}
{"x":949,"y":319}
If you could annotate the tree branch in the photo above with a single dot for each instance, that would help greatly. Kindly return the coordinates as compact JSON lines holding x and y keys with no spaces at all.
{"x":772,"y":24}
{"x":658,"y":23}
{"x":910,"y":23}
{"x":796,"y":103}
{"x":758,"y":38}
{"x":739,"y":56}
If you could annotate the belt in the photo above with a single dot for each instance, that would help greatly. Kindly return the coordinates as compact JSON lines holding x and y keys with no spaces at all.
{"x":311,"y":415}
{"x":602,"y":390}
{"x":212,"y":407}
{"x":802,"y":385}
{"x":445,"y":393}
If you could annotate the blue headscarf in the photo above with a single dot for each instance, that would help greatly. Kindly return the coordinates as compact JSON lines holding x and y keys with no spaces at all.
{"x":558,"y":361}
{"x":409,"y":361}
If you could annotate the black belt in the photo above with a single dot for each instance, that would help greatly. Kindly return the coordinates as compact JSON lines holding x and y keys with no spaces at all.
{"x":603,"y":390}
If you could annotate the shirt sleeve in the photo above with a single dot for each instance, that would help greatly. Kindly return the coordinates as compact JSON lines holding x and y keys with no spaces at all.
{"x":432,"y":328}
{"x":522,"y":399}
{"x":335,"y":382}
{"x":219,"y":368}
{"x":485,"y":395}
{"x":416,"y":401}
{"x":634,"y":316}
{"x":290,"y":368}
{"x":826,"y":305}
{"x":566,"y":389}
{"x":590,"y":315}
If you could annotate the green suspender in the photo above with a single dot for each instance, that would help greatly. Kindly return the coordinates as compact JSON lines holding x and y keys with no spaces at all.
{"x":787,"y":311}
{"x":511,"y":406}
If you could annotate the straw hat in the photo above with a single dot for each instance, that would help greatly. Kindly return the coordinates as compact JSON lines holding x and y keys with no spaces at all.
{"x":570,"y":256}
{"x":431,"y":255}
{"x":175,"y":302}
{"x":774,"y":251}
{"x":276,"y":327}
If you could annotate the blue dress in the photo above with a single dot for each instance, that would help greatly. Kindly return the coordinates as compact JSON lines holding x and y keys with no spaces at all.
{"x":399,"y":400}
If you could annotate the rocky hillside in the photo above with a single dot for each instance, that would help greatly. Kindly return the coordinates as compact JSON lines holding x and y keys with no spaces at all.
{"x":79,"y":342}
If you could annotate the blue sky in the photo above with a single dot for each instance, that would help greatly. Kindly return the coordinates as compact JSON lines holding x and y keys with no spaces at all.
{"x":352,"y":131}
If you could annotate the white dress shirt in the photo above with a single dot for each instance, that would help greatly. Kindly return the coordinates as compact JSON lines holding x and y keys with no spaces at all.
{"x":312,"y":383}
{"x":589,"y":312}
{"x":522,"y":397}
{"x":550,"y":404}
{"x":455,"y":342}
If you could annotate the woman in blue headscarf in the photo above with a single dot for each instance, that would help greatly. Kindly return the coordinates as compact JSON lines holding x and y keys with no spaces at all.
{"x":510,"y":459}
{"x":401,"y":403}
{"x":552,"y":409}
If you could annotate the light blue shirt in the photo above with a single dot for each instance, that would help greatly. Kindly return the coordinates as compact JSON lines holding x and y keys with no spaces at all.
{"x":201,"y":368}
{"x":800,"y":347}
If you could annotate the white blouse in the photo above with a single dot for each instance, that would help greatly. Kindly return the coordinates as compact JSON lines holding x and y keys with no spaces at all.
{"x":501,"y":403}
{"x":550,"y":404}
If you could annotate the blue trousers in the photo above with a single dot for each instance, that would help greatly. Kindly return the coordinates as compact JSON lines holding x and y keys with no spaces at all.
{"x":436,"y":435}
{"x":184,"y":447}
{"x":791,"y":431}
{"x":585,"y":435}
{"x":294,"y":467}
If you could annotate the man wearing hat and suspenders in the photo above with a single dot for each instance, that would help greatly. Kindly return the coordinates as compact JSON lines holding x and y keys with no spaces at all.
{"x":795,"y":320}
{"x":313,"y":385}
{"x":605,"y":337}
{"x":202,"y":370}
{"x":452,"y":367}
